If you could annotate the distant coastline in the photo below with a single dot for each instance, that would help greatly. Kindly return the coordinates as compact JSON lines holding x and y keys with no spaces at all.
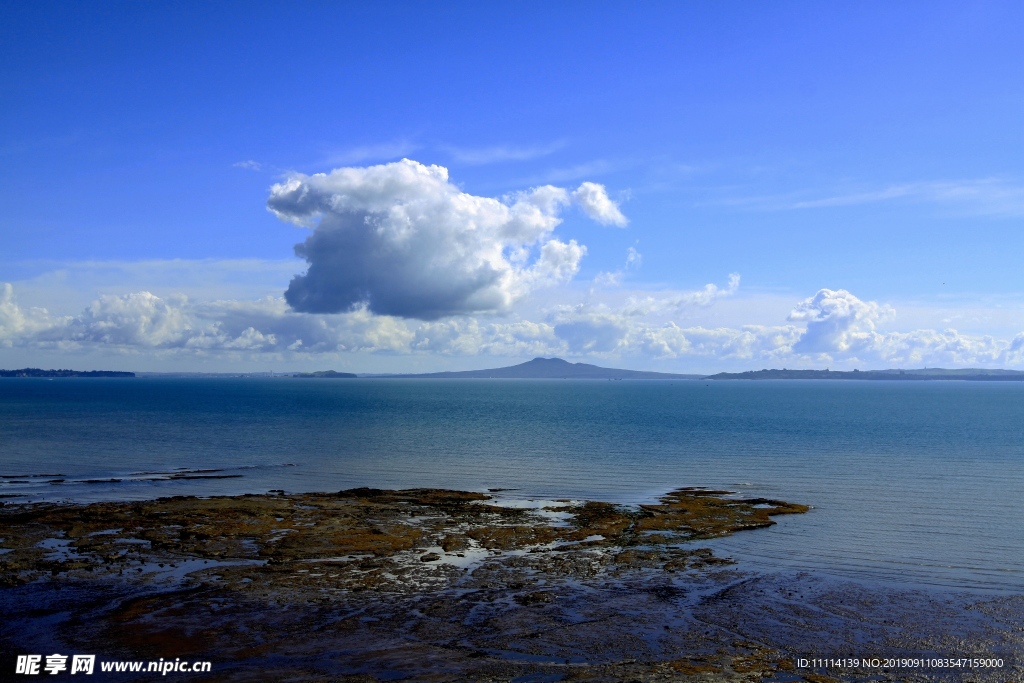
{"x":37,"y":372}
{"x":556,"y":368}
{"x":967,"y":374}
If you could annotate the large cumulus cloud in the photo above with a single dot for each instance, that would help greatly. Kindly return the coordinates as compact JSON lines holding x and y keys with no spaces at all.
{"x":837,"y":321}
{"x":402,"y":240}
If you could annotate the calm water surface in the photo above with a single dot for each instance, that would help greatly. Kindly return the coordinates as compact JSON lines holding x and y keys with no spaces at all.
{"x":916,"y":482}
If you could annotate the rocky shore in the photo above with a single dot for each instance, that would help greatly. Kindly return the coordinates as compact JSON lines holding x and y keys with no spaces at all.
{"x":436,"y":585}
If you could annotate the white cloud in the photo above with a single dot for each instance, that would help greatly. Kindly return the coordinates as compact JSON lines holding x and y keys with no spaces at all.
{"x":631,"y":329}
{"x":140,"y":319}
{"x":838,"y":322}
{"x":403,"y":240}
{"x":248,"y":165}
{"x":17,"y":322}
{"x":358,"y":330}
{"x":383,"y":151}
{"x":678,"y":301}
{"x":568,"y":173}
{"x":832,"y":328}
{"x":870,"y":197}
{"x":500,"y":153}
{"x":613,"y":279}
{"x":751,"y":342}
{"x":593,"y":199}
{"x":841,"y":327}
{"x":558,"y":262}
{"x":1014,"y":354}
{"x":986,"y":196}
{"x":992,"y":197}
{"x":706,"y":295}
{"x":66,"y":287}
{"x":937,"y":348}
{"x":591,"y":329}
{"x":467,"y":337}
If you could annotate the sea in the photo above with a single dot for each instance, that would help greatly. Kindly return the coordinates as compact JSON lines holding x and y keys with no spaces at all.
{"x":909,"y":483}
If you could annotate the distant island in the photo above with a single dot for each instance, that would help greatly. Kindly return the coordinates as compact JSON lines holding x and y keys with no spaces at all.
{"x":964,"y":374}
{"x":36,"y":372}
{"x":325,"y":374}
{"x":549,"y":368}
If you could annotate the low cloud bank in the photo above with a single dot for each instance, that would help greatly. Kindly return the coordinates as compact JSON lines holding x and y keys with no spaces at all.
{"x":832,"y":327}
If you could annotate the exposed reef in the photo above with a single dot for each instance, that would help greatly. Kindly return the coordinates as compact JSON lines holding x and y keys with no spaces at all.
{"x":421,"y":584}
{"x":373,"y":539}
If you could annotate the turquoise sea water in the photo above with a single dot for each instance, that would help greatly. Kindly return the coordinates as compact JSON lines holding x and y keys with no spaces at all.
{"x":917,"y":482}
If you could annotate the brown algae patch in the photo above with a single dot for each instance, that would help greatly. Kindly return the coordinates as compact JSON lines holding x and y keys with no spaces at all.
{"x":435,"y":585}
{"x":359,"y":538}
{"x":477,"y":584}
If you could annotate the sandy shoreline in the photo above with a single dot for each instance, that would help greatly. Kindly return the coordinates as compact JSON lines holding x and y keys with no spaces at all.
{"x":428,"y":584}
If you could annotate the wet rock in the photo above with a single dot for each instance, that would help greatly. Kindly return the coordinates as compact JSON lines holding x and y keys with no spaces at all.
{"x":454,"y":543}
{"x":289,"y":577}
{"x":535,"y":598}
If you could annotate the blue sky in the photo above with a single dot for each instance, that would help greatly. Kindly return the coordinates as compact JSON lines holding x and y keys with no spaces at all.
{"x":859,"y":166}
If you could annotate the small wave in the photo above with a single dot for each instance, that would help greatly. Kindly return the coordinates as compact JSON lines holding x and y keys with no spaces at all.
{"x":262,"y":467}
{"x":6,"y":477}
{"x":177,"y":470}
